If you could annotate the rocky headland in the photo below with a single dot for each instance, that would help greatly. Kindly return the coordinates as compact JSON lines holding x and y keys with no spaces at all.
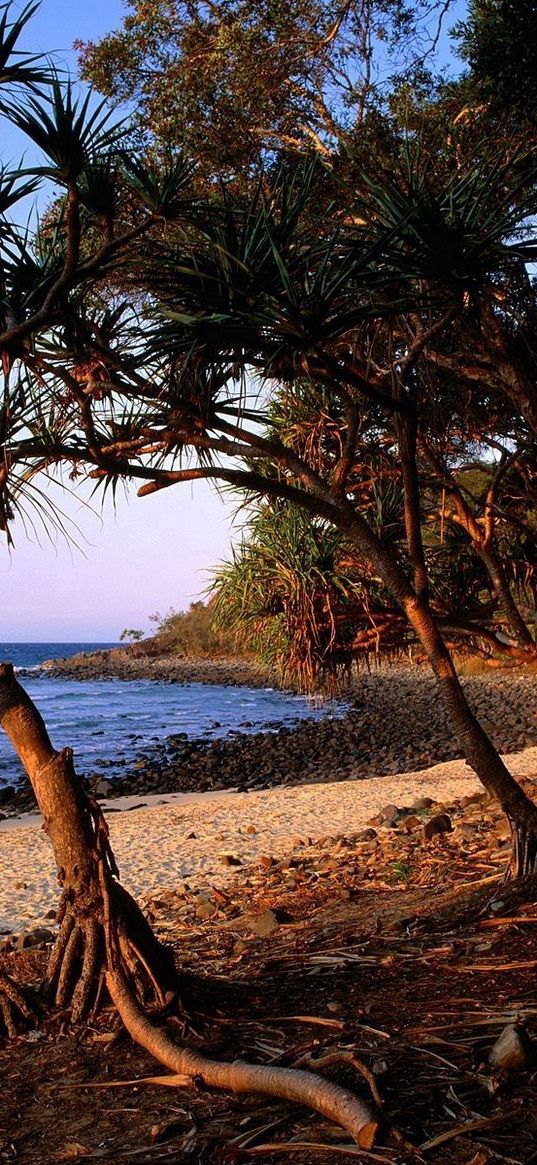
{"x":146,"y":662}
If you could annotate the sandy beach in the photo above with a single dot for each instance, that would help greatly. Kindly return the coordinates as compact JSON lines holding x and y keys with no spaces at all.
{"x":188,"y":838}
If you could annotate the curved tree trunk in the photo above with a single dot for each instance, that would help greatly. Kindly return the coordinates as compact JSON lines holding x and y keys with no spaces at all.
{"x":104,"y":939}
{"x":91,"y":895}
{"x":479,"y":751}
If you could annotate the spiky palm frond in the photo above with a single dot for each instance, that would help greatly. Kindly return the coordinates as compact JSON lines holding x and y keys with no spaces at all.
{"x":71,"y":131}
{"x":460,"y":232}
{"x":30,"y":431}
{"x":17,"y":67}
{"x":257,"y":285}
{"x":12,"y":190}
{"x":163,"y":188}
{"x":31,"y":265}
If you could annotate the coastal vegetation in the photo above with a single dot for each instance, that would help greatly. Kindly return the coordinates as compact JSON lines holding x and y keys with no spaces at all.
{"x":193,"y":633}
{"x":316,"y":290}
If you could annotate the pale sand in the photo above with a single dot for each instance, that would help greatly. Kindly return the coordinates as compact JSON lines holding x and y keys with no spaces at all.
{"x":154,"y":851}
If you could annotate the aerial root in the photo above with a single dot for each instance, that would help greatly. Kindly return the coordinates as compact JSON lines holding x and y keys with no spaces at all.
{"x":89,"y":974}
{"x":14,"y":1007}
{"x":76,"y":973}
{"x":57,"y":953}
{"x":67,"y":968}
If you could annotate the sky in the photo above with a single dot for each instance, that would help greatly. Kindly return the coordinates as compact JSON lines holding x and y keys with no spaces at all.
{"x":149,"y":554}
{"x":152,"y":554}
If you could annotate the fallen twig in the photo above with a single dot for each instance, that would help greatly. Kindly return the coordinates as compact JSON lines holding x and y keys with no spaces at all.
{"x":488,"y":1122}
{"x":496,"y":967}
{"x":301,"y":1146}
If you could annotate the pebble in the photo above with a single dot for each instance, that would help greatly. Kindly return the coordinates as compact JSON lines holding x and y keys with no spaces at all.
{"x":262,"y":925}
{"x":440,"y":823}
{"x":409,"y":823}
{"x":389,"y":814}
{"x":39,"y":936}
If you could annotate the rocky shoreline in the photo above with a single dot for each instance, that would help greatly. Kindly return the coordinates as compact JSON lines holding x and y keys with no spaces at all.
{"x":136,"y":662}
{"x":396,"y":724}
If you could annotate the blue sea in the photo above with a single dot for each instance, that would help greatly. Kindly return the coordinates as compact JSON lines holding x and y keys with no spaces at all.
{"x":114,"y":720}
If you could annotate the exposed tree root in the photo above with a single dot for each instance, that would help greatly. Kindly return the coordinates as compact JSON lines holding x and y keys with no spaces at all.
{"x":14,"y":1007}
{"x":332,"y":1101}
{"x":75,"y":975}
{"x":524,"y":851}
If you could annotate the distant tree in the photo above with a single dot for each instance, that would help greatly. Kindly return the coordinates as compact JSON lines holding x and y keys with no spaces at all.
{"x":296,"y":594}
{"x":131,"y":635}
{"x":192,"y":633}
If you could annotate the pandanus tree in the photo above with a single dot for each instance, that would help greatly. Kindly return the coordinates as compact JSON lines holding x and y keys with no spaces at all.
{"x":63,"y":345}
{"x":291,"y":595}
{"x":136,"y":323}
{"x":381,"y":310}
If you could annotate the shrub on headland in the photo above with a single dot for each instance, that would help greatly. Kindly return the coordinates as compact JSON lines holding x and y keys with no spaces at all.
{"x":192,"y":633}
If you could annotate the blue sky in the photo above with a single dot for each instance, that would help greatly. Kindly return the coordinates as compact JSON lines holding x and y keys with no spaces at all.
{"x":60,"y":22}
{"x":148,"y":555}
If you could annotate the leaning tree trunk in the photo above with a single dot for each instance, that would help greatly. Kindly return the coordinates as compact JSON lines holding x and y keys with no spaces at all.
{"x":477,"y":745}
{"x":105,"y":943}
{"x":479,"y":751}
{"x":478,"y":748}
{"x":92,"y":898}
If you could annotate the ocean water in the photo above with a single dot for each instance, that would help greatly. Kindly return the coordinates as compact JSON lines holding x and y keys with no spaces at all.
{"x":114,"y":720}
